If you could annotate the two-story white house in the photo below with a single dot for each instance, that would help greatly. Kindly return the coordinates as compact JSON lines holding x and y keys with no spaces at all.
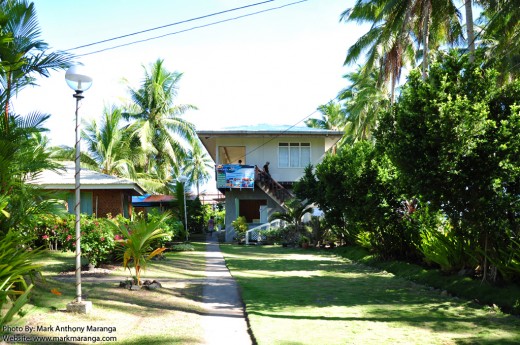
{"x":240,"y":154}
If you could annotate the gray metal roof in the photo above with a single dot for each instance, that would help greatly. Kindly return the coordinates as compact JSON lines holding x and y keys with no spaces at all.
{"x":89,"y":179}
{"x":265,"y":129}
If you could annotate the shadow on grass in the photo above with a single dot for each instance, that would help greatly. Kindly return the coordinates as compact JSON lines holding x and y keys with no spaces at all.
{"x":304,"y":285}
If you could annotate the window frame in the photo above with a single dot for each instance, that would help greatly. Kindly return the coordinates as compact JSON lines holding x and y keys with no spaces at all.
{"x":289,"y":161}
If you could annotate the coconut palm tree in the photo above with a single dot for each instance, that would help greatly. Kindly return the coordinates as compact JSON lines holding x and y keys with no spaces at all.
{"x":163,"y":135}
{"x":502,"y":37}
{"x":108,"y":144}
{"x":333,"y":117}
{"x":22,"y":53}
{"x":198,"y":166}
{"x":364,"y":99}
{"x":398,"y":30}
{"x":388,"y":44}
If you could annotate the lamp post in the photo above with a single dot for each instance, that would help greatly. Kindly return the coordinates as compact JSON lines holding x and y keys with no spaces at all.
{"x":78,"y":81}
{"x":182,"y":179}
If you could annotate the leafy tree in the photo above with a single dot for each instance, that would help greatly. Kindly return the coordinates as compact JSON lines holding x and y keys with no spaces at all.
{"x":455,"y":138}
{"x":196,"y":215}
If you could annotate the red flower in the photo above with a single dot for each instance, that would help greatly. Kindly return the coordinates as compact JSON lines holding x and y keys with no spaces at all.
{"x":45,"y":237}
{"x":69,"y":237}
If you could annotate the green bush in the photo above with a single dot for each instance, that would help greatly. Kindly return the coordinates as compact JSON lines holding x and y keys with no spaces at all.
{"x":97,"y":239}
{"x":171,"y":228}
{"x":272,"y":236}
{"x":240,"y":226}
{"x":183,"y":247}
{"x":363,"y":239}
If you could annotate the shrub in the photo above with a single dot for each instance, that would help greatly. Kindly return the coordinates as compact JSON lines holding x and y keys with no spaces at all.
{"x":363,"y":239}
{"x":183,"y":247}
{"x":97,"y":239}
{"x":240,"y":226}
{"x":273,"y":236}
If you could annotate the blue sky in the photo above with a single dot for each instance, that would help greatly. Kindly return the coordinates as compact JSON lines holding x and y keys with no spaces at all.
{"x":275,"y":67}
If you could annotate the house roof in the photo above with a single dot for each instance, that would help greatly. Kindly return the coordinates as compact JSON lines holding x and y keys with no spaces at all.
{"x":148,"y":200}
{"x":89,"y":179}
{"x":209,"y":137}
{"x":275,"y":130}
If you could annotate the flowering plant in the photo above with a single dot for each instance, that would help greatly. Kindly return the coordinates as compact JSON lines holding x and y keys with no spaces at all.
{"x":97,"y":239}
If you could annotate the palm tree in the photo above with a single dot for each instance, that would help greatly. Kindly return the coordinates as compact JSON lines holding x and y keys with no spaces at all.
{"x":502,"y":37}
{"x":23,"y":156}
{"x":198,"y":166}
{"x":163,"y":135}
{"x":364,"y":99}
{"x":333,"y":117}
{"x":295,"y":210}
{"x":136,"y":242}
{"x":388,"y":44}
{"x":390,"y":41}
{"x":109,"y":145}
{"x":22,"y":53}
{"x":469,"y":29}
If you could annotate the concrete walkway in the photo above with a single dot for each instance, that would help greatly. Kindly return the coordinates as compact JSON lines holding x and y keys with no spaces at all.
{"x":225,"y":322}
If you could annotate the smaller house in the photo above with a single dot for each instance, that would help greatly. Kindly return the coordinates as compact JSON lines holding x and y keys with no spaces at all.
{"x":147,"y":202}
{"x":101,"y":194}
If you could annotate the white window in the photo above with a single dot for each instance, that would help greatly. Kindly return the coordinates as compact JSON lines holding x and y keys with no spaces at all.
{"x":294,"y":155}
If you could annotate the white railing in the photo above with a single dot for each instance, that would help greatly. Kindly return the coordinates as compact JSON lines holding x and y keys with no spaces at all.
{"x":254,"y":234}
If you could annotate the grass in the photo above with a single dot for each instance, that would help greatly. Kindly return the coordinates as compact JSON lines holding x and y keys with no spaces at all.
{"x":170,"y":315}
{"x":506,"y":296}
{"x":295,"y":296}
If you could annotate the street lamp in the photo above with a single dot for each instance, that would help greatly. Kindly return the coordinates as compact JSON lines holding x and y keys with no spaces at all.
{"x":79,"y":81}
{"x":182,"y":179}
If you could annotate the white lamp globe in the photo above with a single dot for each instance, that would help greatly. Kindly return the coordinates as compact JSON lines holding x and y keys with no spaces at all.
{"x":78,"y":79}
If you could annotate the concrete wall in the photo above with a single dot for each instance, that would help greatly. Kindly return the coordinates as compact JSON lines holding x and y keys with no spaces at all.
{"x":262,"y":149}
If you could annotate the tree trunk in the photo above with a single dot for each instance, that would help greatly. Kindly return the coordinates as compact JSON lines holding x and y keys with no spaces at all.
{"x":426,"y":37}
{"x":8,"y":96}
{"x":469,"y":28}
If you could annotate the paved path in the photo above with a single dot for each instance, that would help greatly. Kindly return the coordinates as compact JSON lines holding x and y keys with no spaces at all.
{"x":225,"y":322}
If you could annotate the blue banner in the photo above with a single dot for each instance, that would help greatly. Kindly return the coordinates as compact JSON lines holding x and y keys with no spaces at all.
{"x":235,"y":176}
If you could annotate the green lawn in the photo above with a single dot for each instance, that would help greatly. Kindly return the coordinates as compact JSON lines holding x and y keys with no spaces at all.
{"x":170,"y":315}
{"x":295,"y":296}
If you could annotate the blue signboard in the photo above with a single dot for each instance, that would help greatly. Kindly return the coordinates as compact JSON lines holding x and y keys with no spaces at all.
{"x":235,"y":176}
